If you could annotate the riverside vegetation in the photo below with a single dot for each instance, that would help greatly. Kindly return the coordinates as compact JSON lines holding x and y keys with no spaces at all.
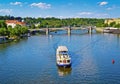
{"x":12,"y":33}
{"x":50,"y":22}
{"x":57,"y":22}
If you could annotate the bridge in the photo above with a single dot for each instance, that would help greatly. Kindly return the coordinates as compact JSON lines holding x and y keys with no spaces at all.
{"x":68,"y":29}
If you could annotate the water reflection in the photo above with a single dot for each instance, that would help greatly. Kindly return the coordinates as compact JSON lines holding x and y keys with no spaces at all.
{"x":64,"y":71}
{"x":118,"y":39}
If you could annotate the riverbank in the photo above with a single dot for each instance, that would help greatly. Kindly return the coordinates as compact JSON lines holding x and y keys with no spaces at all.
{"x":100,"y":29}
{"x":111,"y":30}
{"x":6,"y":39}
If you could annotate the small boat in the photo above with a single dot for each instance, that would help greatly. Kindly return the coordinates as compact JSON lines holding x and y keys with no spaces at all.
{"x":62,"y":57}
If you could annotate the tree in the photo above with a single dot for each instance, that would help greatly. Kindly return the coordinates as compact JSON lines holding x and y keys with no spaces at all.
{"x":55,"y":22}
{"x":112,"y":24}
{"x":105,"y":25}
{"x":3,"y":24}
{"x":23,"y":30}
{"x":32,"y":26}
{"x":17,"y":31}
{"x":3,"y":31}
{"x":117,"y":26}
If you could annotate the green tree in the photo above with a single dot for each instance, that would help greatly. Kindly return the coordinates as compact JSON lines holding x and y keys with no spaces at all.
{"x":112,"y":24}
{"x":17,"y":31}
{"x":117,"y":26}
{"x":23,"y":30}
{"x":3,"y":31}
{"x":3,"y":24}
{"x":105,"y":25}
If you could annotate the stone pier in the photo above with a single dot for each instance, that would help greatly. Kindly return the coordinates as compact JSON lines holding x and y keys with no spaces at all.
{"x":47,"y":31}
{"x":69,"y":30}
{"x":90,"y":29}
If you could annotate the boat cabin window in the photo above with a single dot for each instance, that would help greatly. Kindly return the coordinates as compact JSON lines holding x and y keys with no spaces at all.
{"x":63,"y":52}
{"x":60,"y":61}
{"x":68,"y":60}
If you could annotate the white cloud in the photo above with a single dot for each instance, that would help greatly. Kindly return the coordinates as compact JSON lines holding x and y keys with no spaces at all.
{"x":109,"y":8}
{"x":16,"y":3}
{"x":92,"y":15}
{"x":103,"y":3}
{"x":102,"y":15}
{"x":41,"y":5}
{"x":60,"y":16}
{"x":85,"y":13}
{"x":113,"y":7}
{"x":6,"y":11}
{"x":48,"y":16}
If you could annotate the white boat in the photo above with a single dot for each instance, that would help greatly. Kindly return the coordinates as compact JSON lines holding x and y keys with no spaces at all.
{"x":62,"y":57}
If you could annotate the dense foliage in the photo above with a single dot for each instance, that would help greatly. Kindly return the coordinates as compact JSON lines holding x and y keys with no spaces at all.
{"x":18,"y":31}
{"x":50,"y":22}
{"x":56,"y":22}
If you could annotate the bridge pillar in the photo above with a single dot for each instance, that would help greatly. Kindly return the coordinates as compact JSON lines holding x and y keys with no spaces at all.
{"x":90,"y":29}
{"x":69,"y":30}
{"x":47,"y":31}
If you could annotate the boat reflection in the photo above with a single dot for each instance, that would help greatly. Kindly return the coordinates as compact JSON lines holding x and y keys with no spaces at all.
{"x":62,"y":71}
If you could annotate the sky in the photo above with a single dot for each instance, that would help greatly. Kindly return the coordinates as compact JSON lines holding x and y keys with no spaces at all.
{"x":61,"y":8}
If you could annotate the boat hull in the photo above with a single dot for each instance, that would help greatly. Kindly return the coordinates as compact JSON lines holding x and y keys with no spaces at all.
{"x":64,"y":65}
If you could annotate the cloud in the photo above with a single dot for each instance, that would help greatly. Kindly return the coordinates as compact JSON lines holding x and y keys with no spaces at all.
{"x":41,"y":5}
{"x":102,"y":15}
{"x":48,"y":16}
{"x":6,"y":11}
{"x":103,"y":3}
{"x":16,"y":3}
{"x":92,"y":15}
{"x":85,"y":13}
{"x":110,"y":8}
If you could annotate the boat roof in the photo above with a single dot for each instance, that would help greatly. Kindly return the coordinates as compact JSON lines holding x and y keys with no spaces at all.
{"x":62,"y":48}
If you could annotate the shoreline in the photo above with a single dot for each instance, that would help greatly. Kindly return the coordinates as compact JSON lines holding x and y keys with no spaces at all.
{"x":99,"y":29}
{"x":11,"y":39}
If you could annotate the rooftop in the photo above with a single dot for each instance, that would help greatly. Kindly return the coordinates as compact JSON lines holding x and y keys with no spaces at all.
{"x":15,"y":22}
{"x":62,"y":48}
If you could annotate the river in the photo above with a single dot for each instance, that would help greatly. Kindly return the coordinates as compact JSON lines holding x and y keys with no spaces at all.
{"x":33,"y":60}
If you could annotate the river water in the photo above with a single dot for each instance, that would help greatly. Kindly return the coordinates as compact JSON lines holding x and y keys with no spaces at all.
{"x":33,"y":60}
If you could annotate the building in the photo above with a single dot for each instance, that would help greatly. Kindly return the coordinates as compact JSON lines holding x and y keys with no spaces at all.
{"x":13,"y":23}
{"x":108,"y":21}
{"x":37,"y":24}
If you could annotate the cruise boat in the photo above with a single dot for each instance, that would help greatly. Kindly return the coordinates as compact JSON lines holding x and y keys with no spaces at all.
{"x":62,"y":57}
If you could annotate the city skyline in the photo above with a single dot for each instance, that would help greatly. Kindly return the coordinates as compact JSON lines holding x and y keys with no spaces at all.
{"x":61,"y":8}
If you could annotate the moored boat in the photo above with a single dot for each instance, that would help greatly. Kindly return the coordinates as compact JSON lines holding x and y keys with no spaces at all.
{"x":62,"y":57}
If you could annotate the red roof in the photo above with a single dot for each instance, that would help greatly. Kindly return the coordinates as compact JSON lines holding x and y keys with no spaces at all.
{"x":15,"y":22}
